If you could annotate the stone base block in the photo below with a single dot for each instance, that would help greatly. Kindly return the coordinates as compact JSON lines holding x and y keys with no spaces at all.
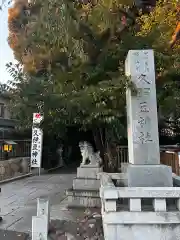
{"x":80,"y":198}
{"x":84,"y":172}
{"x":86,"y":184}
{"x":149,"y":176}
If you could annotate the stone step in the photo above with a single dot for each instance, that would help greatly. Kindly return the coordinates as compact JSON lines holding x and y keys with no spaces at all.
{"x":82,"y":193}
{"x":83,"y":198}
{"x":86,"y":184}
{"x":88,"y":172}
{"x":74,"y":202}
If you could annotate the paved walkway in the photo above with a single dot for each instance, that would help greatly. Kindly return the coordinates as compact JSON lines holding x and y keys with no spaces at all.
{"x":18,"y":199}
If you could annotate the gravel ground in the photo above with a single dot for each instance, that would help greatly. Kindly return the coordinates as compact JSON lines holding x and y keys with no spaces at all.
{"x":87,"y":226}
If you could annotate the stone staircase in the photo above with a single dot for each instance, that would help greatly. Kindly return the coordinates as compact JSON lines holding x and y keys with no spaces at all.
{"x":85,"y":189}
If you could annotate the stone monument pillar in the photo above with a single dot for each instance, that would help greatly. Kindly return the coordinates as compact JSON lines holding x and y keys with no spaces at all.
{"x":143,"y":141}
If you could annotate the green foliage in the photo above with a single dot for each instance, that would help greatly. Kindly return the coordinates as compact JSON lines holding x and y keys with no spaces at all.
{"x":74,"y":69}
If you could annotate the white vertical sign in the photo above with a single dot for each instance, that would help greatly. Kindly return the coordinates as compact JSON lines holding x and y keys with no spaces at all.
{"x":43,"y":209}
{"x":37,"y":118}
{"x":36,"y":147}
{"x":39,"y":228}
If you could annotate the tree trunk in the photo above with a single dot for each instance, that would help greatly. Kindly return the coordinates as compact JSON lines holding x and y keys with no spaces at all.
{"x":99,"y":138}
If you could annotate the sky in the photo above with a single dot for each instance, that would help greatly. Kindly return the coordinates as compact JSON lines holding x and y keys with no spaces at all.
{"x":6,"y":54}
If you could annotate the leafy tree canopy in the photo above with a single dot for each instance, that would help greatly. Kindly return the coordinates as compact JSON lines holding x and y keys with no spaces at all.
{"x":73,"y":56}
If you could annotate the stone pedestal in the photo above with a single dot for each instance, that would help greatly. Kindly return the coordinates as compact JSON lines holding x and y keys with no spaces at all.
{"x":143,"y":141}
{"x":149,"y":175}
{"x":85,"y":190}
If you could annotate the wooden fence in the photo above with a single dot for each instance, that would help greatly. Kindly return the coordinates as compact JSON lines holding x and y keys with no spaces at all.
{"x":171,"y":158}
{"x":119,"y":154}
{"x":115,"y":156}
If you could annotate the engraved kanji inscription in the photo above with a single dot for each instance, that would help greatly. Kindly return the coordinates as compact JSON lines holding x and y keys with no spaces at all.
{"x":146,"y":66}
{"x":144,"y":107}
{"x":145,"y":137}
{"x":142,"y":121}
{"x":144,"y":78}
{"x":143,"y":92}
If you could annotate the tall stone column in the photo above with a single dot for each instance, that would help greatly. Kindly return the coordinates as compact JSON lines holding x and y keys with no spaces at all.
{"x":143,"y":140}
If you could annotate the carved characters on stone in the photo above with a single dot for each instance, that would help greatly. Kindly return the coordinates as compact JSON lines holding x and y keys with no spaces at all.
{"x":88,"y":153}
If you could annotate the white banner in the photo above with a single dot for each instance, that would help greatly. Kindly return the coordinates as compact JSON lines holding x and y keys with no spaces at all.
{"x":36,"y":147}
{"x":37,"y":118}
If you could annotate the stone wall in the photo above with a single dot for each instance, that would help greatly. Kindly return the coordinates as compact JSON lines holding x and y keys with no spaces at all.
{"x":14,"y":167}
